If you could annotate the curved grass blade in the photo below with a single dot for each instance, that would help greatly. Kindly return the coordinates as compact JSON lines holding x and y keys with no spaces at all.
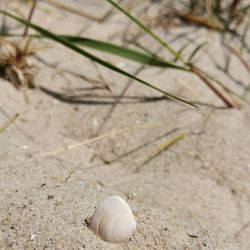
{"x":244,"y":35}
{"x":147,"y":30}
{"x":127,"y":53}
{"x":131,"y":54}
{"x":181,"y":50}
{"x":195,"y":51}
{"x":219,"y":93}
{"x":92,"y":57}
{"x":8,"y":122}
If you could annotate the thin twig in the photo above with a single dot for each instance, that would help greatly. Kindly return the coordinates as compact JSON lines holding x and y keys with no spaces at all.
{"x":78,"y":12}
{"x":8,"y":122}
{"x":29,"y":17}
{"x":227,"y":99}
{"x":97,"y":138}
{"x":197,"y":20}
{"x":240,"y":57}
{"x":162,"y":147}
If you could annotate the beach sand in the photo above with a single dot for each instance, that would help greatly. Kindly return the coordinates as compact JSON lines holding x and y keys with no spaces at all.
{"x":194,"y":195}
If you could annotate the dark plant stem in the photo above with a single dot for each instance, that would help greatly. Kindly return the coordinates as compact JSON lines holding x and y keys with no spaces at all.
{"x":227,"y":99}
{"x":234,"y":5}
{"x":29,"y":17}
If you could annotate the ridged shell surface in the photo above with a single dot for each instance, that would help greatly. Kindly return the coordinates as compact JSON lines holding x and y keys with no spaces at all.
{"x":113,"y":220}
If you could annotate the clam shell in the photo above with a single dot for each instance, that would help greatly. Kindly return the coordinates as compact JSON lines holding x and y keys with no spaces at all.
{"x":113,"y":220}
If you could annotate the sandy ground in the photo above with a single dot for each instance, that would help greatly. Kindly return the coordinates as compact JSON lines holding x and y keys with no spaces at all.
{"x":195,"y":195}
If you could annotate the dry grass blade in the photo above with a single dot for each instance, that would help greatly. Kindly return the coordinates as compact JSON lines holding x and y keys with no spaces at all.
{"x":33,"y":7}
{"x":197,"y":20}
{"x":226,"y":98}
{"x":15,"y":64}
{"x":8,"y":122}
{"x":98,"y":138}
{"x":240,"y":57}
{"x":77,"y":11}
{"x":162,"y":147}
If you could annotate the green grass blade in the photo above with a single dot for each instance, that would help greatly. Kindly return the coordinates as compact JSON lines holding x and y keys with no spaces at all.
{"x":147,"y":30}
{"x":131,"y":54}
{"x":127,"y":53}
{"x":195,"y":51}
{"x":90,"y":56}
{"x":181,"y":50}
{"x":244,"y":35}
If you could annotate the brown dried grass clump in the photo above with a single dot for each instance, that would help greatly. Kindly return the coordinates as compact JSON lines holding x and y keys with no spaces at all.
{"x":15,"y":63}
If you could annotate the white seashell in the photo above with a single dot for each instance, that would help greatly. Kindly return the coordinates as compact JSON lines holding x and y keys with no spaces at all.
{"x":113,"y":220}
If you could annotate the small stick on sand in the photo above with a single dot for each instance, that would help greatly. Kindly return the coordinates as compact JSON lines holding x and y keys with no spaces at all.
{"x":162,"y":147}
{"x":77,"y":11}
{"x":97,"y":138}
{"x":8,"y":122}
{"x":29,"y":17}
